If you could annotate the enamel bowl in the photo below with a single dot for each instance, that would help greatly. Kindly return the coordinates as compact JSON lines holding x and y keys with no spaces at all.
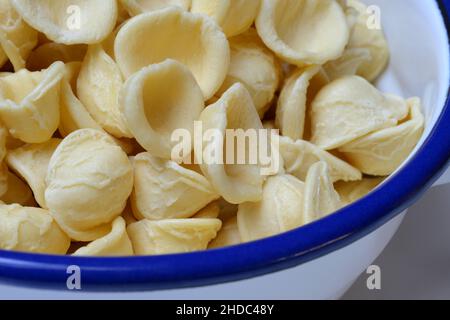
{"x":320,"y":260}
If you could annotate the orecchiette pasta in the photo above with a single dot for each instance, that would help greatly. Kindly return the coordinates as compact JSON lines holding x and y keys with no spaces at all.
{"x":253,"y":65}
{"x":159,"y":99}
{"x":165,"y":190}
{"x":29,"y":103}
{"x":70,"y":21}
{"x":303,"y":31}
{"x":135,"y":7}
{"x":115,"y":243}
{"x":382,"y":152}
{"x":349,"y":108}
{"x":31,"y":163}
{"x":227,"y":236}
{"x":88,"y":182}
{"x":236,"y":183}
{"x":172,"y":235}
{"x":192,"y":39}
{"x":30,"y":229}
{"x":17,"y":38}
{"x":234,"y":16}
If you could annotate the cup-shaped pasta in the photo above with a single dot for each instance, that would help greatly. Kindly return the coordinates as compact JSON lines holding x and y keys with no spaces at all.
{"x":172,"y":235}
{"x":233,"y":16}
{"x":298,"y":156}
{"x":158,"y":100}
{"x":192,"y":39}
{"x":236,"y":183}
{"x":227,"y":236}
{"x":46,"y":54}
{"x":320,"y":198}
{"x":366,"y":34}
{"x":18,"y":192}
{"x":70,"y":21}
{"x":349,"y":108}
{"x":29,"y":103}
{"x":17,"y":38}
{"x":382,"y":152}
{"x":30,"y":230}
{"x":291,"y":108}
{"x":255,"y":67}
{"x":280,"y":210}
{"x":352,"y":191}
{"x":31,"y":163}
{"x":135,"y":7}
{"x":348,"y":64}
{"x":89,"y":180}
{"x":165,"y":190}
{"x":303,"y":31}
{"x":211,"y":211}
{"x":116,"y":243}
{"x":98,"y":87}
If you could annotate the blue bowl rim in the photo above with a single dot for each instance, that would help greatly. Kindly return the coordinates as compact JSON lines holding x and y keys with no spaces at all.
{"x":250,"y":259}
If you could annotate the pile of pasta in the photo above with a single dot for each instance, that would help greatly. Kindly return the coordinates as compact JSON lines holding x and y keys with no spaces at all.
{"x":87,"y":108}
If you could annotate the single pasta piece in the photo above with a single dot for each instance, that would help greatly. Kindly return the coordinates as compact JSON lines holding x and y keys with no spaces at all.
{"x":17,"y":38}
{"x":172,"y":235}
{"x":30,"y":230}
{"x":29,"y":103}
{"x":227,"y":236}
{"x":115,"y":243}
{"x":291,"y":108}
{"x":253,"y":65}
{"x":89,"y":180}
{"x":31,"y":163}
{"x":320,"y":197}
{"x":298,"y":157}
{"x":165,"y":190}
{"x":349,"y":108}
{"x":98,"y":88}
{"x":352,"y":191}
{"x":382,"y":152}
{"x":136,"y":7}
{"x":280,"y":210}
{"x":233,"y":16}
{"x":192,"y":39}
{"x":48,"y":53}
{"x":70,"y":21}
{"x":18,"y":192}
{"x":211,"y":211}
{"x":236,"y":183}
{"x":158,"y":100}
{"x":303,"y":32}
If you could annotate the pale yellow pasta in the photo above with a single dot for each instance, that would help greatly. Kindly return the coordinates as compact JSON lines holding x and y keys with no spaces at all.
{"x":382,"y":152}
{"x":159,"y":99}
{"x":115,"y":243}
{"x":211,"y":211}
{"x":70,"y":21}
{"x":135,"y":7}
{"x":348,"y":64}
{"x":298,"y":156}
{"x":46,"y":54}
{"x":31,"y":163}
{"x":165,"y":190}
{"x":236,"y":183}
{"x":172,"y":235}
{"x":17,"y":38}
{"x":192,"y":39}
{"x":303,"y":32}
{"x":352,"y":191}
{"x":320,"y":197}
{"x":349,"y":108}
{"x":233,"y":16}
{"x":18,"y":192}
{"x":128,"y":215}
{"x":29,"y":103}
{"x":30,"y":230}
{"x":227,"y":236}
{"x":280,"y":210}
{"x":253,"y":65}
{"x":89,"y":180}
{"x":98,"y":87}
